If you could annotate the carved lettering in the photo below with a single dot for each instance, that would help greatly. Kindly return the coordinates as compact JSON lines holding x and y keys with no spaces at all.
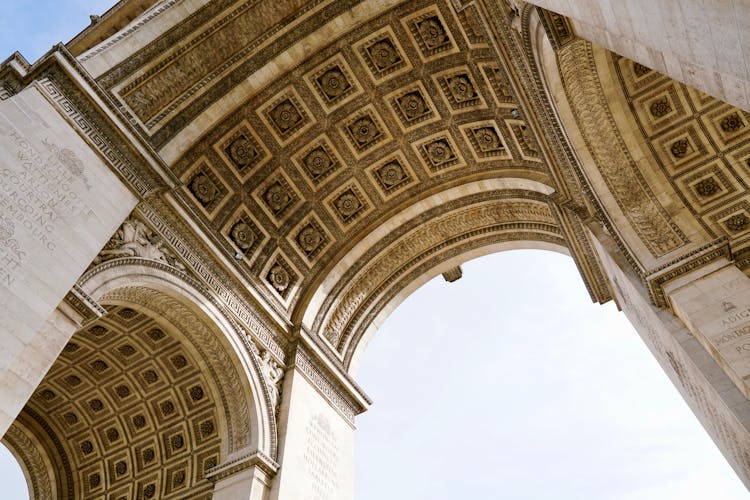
{"x":38,"y":196}
{"x":322,"y":459}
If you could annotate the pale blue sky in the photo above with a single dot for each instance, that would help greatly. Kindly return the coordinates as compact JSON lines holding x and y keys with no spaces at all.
{"x":508,"y":384}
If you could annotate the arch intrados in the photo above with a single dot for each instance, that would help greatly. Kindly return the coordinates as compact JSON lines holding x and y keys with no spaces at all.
{"x":355,"y":355}
{"x":124,"y":282}
{"x":310,"y":306}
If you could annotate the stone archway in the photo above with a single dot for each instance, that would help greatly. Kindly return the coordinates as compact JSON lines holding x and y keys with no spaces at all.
{"x":300,"y":166}
{"x":127,"y":412}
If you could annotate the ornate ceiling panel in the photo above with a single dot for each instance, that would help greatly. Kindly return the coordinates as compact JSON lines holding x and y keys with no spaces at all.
{"x":401,"y":107}
{"x":131,"y":411}
{"x":700,"y":144}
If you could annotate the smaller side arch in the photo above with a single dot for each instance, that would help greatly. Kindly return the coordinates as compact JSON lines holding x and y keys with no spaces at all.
{"x":221,"y":343}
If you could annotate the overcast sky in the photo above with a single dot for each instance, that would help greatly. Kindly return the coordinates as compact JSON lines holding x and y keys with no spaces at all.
{"x":507,"y":384}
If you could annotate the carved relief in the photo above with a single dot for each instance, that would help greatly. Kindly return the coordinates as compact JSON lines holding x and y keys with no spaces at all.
{"x":383,"y":55}
{"x":392,"y":175}
{"x":274,"y":374}
{"x":619,"y":171}
{"x":428,"y":235}
{"x":430,"y":32}
{"x":459,"y":89}
{"x":135,"y":239}
{"x":333,"y":82}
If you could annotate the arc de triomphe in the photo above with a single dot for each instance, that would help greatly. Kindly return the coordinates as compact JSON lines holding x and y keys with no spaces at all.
{"x":207,"y":208}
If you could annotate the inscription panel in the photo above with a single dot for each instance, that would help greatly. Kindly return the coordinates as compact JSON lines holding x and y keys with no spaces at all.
{"x":693,"y":372}
{"x":321,"y":457}
{"x":59,"y":204}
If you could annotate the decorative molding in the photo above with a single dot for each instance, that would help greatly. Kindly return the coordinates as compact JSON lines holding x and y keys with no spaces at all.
{"x":96,"y":137}
{"x":657,"y":278}
{"x":144,"y":18}
{"x":33,"y":461}
{"x":215,"y":279}
{"x":423,"y":240}
{"x":83,"y":304}
{"x":558,"y":28}
{"x":231,"y":467}
{"x":327,"y":383}
{"x":618,"y":169}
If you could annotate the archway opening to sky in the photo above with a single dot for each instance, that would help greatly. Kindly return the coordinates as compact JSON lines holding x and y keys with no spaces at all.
{"x":510,"y":383}
{"x":14,"y":482}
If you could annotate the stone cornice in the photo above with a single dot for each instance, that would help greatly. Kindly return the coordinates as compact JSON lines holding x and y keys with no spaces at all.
{"x":235,"y":465}
{"x":333,"y":384}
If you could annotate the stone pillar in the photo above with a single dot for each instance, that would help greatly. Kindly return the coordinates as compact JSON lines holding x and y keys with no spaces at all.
{"x":316,"y":435}
{"x":703,"y":44}
{"x":722,"y":409}
{"x":59,"y":205}
{"x":250,"y":484}
{"x":714,"y":303}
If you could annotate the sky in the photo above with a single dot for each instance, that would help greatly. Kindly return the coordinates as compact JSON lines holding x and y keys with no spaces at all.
{"x":507,"y":384}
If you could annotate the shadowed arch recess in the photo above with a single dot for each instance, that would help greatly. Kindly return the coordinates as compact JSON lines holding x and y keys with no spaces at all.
{"x":128,"y":411}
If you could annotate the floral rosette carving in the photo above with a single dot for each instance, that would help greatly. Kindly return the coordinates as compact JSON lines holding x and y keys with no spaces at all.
{"x":432,"y":32}
{"x":203,"y":188}
{"x":242,"y":152}
{"x":364,"y":130}
{"x":309,"y":239}
{"x":317,"y":161}
{"x":279,"y":278}
{"x":384,"y":54}
{"x":285,"y":115}
{"x":277,"y":197}
{"x":413,"y":105}
{"x":242,"y":235}
{"x":439,"y":152}
{"x":348,"y":204}
{"x":333,"y":83}
{"x":462,"y":88}
{"x":391,"y":174}
{"x":487,"y":139}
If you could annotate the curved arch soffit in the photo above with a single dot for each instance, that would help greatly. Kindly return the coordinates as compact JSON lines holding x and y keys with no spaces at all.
{"x":602,"y":103}
{"x":217,"y":340}
{"x":469,"y":254}
{"x":415,"y":242}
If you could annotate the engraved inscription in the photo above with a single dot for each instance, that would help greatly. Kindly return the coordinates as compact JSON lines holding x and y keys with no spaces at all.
{"x":35,"y":196}
{"x":322,"y":459}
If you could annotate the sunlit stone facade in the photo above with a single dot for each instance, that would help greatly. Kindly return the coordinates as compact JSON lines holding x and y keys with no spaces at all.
{"x":207,"y":209}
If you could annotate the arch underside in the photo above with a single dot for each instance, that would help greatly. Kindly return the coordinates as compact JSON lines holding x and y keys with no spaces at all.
{"x":127,"y":411}
{"x":294,"y":132}
{"x":332,"y":155}
{"x":142,"y":402}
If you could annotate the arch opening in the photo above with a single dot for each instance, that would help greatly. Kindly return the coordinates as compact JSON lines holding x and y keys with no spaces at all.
{"x":16,"y":480}
{"x":127,"y":410}
{"x":485,"y":378}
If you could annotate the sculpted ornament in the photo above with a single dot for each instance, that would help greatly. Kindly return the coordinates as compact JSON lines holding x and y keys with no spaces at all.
{"x":333,"y":82}
{"x":273,"y":373}
{"x":461,"y":88}
{"x":432,"y":32}
{"x":309,"y":239}
{"x":318,"y":162}
{"x":384,"y":54}
{"x":242,"y":152}
{"x":242,"y":235}
{"x":68,"y":159}
{"x":134,"y":239}
{"x":278,"y":277}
